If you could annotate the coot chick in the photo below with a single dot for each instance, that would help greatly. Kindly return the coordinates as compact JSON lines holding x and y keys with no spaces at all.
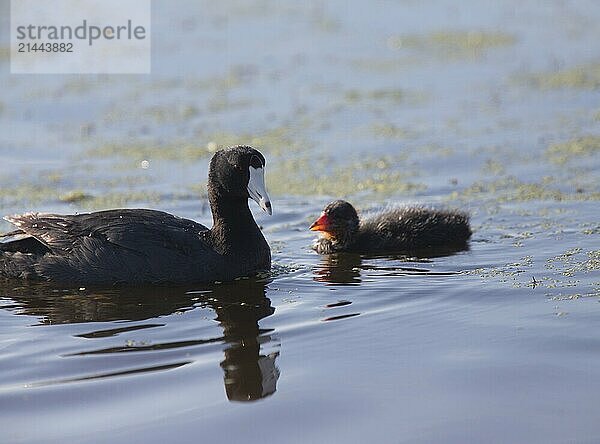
{"x":137,"y":246}
{"x":404,"y":229}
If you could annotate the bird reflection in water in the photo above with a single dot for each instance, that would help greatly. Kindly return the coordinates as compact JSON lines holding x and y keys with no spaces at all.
{"x":239,"y":306}
{"x":248,"y":374}
{"x":346,"y":268}
{"x":339,"y":268}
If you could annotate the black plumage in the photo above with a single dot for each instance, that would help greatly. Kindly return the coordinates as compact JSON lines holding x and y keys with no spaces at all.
{"x":138,"y":246}
{"x":396,"y":230}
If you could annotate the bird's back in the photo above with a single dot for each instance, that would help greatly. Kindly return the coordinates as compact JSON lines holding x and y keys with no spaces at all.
{"x":413,"y":228}
{"x":114,"y":246}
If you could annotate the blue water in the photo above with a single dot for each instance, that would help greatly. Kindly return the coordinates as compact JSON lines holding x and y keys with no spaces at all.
{"x":494,"y":344}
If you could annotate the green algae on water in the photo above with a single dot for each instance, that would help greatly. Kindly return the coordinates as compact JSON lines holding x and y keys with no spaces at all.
{"x":174,"y":150}
{"x":564,"y":268}
{"x":304,"y":176}
{"x":119,"y":199}
{"x":561,"y":153}
{"x":392,"y":95}
{"x":493,"y":167}
{"x":511,"y":189}
{"x":453,"y":43}
{"x":27,"y":193}
{"x":391,"y":131}
{"x":575,"y":261}
{"x":74,"y":196}
{"x":275,"y":141}
{"x":579,"y":77}
{"x":383,"y":65}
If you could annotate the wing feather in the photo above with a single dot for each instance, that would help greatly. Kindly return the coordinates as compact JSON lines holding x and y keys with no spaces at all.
{"x":145,"y":232}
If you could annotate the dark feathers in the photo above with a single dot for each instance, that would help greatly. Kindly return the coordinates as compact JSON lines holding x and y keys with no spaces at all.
{"x":399,"y":230}
{"x":115,"y":246}
{"x":413,"y":228}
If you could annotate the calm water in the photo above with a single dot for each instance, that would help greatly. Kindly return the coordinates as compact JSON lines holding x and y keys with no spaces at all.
{"x":493,"y":107}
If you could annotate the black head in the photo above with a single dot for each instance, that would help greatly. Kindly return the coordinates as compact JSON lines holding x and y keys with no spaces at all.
{"x":338,"y":222}
{"x":238,"y":172}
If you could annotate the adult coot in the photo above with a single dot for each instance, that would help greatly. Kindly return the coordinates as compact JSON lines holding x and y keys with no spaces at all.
{"x":404,"y":229}
{"x":135,"y":246}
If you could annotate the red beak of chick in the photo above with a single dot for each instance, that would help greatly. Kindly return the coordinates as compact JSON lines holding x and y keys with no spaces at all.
{"x":321,"y":224}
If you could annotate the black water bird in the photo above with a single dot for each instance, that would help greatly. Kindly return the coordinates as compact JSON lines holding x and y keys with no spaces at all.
{"x":138,"y":246}
{"x":402,"y":229}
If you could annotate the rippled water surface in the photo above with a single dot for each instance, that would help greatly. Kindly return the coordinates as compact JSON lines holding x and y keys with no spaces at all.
{"x":491,"y":107}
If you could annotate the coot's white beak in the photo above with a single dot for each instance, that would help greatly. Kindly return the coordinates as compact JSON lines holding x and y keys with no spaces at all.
{"x":256,"y":189}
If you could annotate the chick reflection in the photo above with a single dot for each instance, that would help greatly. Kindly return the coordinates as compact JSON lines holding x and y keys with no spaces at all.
{"x":239,"y":306}
{"x":346,"y":268}
{"x":339,"y":268}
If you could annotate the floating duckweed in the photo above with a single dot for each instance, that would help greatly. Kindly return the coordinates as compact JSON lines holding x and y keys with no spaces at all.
{"x":453,"y":43}
{"x":236,"y":76}
{"x":383,"y":65}
{"x":511,"y":189}
{"x":561,"y":153}
{"x":379,"y":163}
{"x":139,"y":151}
{"x":229,"y":80}
{"x":26,"y":193}
{"x":519,"y":273}
{"x":302,"y":176}
{"x":274,"y":142}
{"x":391,"y":131}
{"x":503,"y":274}
{"x":394,"y":95}
{"x":573,"y":261}
{"x":593,"y":230}
{"x":119,"y":199}
{"x":493,"y":167}
{"x":171,"y":113}
{"x":593,"y":262}
{"x":575,"y":296}
{"x":74,"y":196}
{"x":435,"y":150}
{"x":582,"y":77}
{"x":48,"y":188}
{"x":223,"y":103}
{"x":159,"y":113}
